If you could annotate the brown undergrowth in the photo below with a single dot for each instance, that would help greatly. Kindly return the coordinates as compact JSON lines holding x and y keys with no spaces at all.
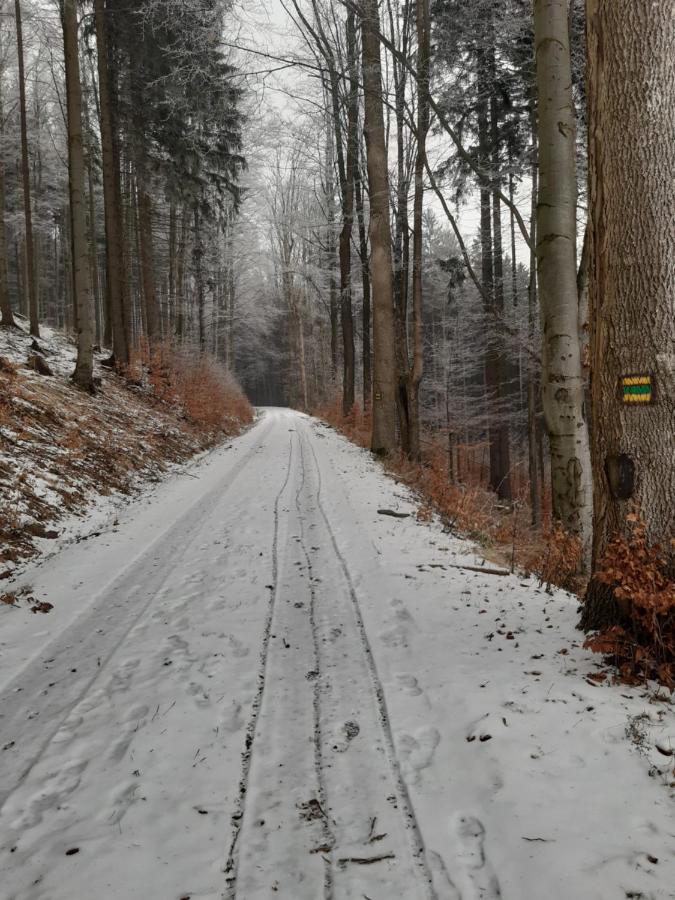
{"x":61,"y":448}
{"x":640,"y":581}
{"x":638,"y":575}
{"x":504,"y":531}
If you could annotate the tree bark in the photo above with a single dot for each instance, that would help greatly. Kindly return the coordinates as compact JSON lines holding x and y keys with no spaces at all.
{"x":384,"y":358}
{"x":171,"y":284}
{"x":147,"y":248}
{"x":365,"y":283}
{"x":346,"y":317}
{"x":500,"y":451}
{"x":198,"y":254}
{"x":117,"y":300}
{"x":417,"y":367}
{"x":631,"y":90}
{"x":6,"y":314}
{"x":562,"y":377}
{"x":82,"y":295}
{"x":532,"y":399}
{"x":31,"y":282}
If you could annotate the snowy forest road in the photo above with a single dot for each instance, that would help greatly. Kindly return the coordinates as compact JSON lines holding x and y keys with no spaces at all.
{"x":256,"y":686}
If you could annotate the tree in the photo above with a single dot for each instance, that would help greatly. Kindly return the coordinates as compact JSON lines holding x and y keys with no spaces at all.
{"x":6,"y":314}
{"x":384,"y":357}
{"x":82,"y":287}
{"x":115,"y":284}
{"x":417,"y":367}
{"x":562,"y":378}
{"x":631,"y":91}
{"x":31,"y":278}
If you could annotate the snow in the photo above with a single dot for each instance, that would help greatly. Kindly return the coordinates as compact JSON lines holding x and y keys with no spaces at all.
{"x":254,"y":682}
{"x":68,"y":461}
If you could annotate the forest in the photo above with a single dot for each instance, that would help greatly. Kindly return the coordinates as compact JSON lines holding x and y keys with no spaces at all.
{"x":446,"y":226}
{"x":337,"y":449}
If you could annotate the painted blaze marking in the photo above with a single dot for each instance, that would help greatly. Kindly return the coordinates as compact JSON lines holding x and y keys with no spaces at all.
{"x":636,"y":388}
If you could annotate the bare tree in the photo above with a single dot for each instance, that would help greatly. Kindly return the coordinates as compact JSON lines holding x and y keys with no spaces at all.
{"x":384,"y":355}
{"x":25,"y":174}
{"x":82,"y":288}
{"x":563,"y":383}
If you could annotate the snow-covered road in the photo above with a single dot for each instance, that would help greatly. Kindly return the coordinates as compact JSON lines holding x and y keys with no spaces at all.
{"x":256,"y":686}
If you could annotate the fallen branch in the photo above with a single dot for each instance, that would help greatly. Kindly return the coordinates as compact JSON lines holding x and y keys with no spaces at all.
{"x":365,"y":860}
{"x":393,"y":513}
{"x":480,"y":569}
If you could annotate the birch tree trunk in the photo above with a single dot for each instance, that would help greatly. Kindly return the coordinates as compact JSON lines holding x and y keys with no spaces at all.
{"x":384,"y":357}
{"x":562,"y":378}
{"x":631,"y":89}
{"x":82,"y":293}
{"x":31,"y":282}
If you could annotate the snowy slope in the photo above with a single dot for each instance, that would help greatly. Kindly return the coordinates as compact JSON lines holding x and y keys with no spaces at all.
{"x":257,"y":686}
{"x":68,"y":460}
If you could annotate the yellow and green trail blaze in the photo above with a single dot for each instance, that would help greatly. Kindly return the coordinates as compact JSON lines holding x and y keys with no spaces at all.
{"x":636,"y":388}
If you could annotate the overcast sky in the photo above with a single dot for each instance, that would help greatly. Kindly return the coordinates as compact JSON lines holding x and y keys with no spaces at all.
{"x":278,"y":96}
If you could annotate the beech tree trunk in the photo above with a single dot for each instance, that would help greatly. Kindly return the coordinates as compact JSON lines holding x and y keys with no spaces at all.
{"x":31,"y":282}
{"x":384,"y":357}
{"x":116,"y":293}
{"x":346,"y":316}
{"x":631,"y":89}
{"x":500,"y":450}
{"x":532,"y":399}
{"x":417,"y":366}
{"x":365,"y":283}
{"x":82,"y":293}
{"x":6,"y":314}
{"x":562,"y":377}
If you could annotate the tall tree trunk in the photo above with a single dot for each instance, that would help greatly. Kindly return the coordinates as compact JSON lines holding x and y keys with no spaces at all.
{"x":171,"y":285}
{"x":532,"y":399}
{"x":562,"y":377}
{"x":346,"y":317}
{"x":6,"y":314}
{"x":31,"y":282}
{"x":117,"y":300}
{"x":198,"y":255}
{"x":93,"y":244}
{"x":500,"y":451}
{"x":417,"y":366}
{"x":491,"y":363}
{"x":631,"y":90}
{"x":384,"y":357}
{"x":82,"y":296}
{"x":365,"y":283}
{"x":180,"y":276}
{"x":401,"y":243}
{"x":147,"y":248}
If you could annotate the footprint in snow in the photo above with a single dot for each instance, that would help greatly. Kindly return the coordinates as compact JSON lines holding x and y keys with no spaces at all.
{"x":56,"y":787}
{"x":471,"y":869}
{"x":345,"y":734}
{"x":444,"y":888}
{"x":409,"y":684}
{"x":416,"y":752}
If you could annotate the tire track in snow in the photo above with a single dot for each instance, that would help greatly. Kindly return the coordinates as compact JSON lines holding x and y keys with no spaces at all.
{"x":84,"y":632}
{"x":417,"y":847}
{"x":329,"y":838}
{"x":232,"y":864}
